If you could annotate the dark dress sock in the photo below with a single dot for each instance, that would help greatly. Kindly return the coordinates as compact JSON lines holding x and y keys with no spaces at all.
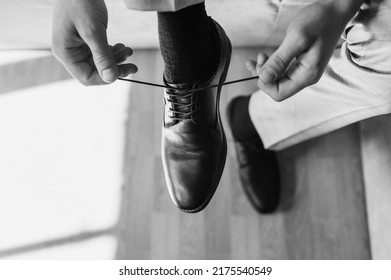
{"x":188,"y":44}
{"x":242,"y":127}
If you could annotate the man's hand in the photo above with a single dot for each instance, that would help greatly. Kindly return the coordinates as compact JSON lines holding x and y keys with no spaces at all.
{"x":308,"y":45}
{"x":79,"y":42}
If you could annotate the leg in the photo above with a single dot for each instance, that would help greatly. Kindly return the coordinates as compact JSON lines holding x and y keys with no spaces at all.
{"x":258,"y":168}
{"x":188,"y":44}
{"x":345,"y":94}
{"x":196,"y":52}
{"x":355,"y":86}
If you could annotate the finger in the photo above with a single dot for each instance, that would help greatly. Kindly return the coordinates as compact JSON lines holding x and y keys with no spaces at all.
{"x":127,"y":69}
{"x":85,"y":73}
{"x":81,"y":66}
{"x":292,"y":83}
{"x":262,"y":58}
{"x":293,"y":45}
{"x":122,"y":54}
{"x":123,"y":69}
{"x":117,"y":47}
{"x":102,"y":55}
{"x":251,"y":66}
{"x":280,"y":90}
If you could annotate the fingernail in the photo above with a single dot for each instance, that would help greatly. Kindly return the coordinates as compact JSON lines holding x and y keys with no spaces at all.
{"x":117,"y":51}
{"x":109,"y":75}
{"x":123,"y":74}
{"x":267,"y":76}
{"x":123,"y":59}
{"x":135,"y":69}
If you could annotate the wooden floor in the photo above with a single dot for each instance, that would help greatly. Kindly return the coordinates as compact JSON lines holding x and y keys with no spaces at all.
{"x":329,"y":186}
{"x":322,"y":214}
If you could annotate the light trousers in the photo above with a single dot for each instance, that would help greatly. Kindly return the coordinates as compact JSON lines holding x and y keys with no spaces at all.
{"x":355,"y":86}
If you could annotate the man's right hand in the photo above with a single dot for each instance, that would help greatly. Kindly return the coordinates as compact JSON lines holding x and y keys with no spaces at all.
{"x":79,"y":42}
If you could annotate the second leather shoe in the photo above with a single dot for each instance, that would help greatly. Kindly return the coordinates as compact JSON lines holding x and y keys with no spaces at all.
{"x":258,"y":168}
{"x":194,"y":146}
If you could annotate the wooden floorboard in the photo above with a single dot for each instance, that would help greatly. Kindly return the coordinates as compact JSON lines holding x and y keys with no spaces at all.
{"x":323,"y":198}
{"x":376,"y":147}
{"x":322,"y":213}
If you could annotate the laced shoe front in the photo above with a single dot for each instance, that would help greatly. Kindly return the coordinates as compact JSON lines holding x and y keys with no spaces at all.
{"x":193,"y":141}
{"x":183,"y":104}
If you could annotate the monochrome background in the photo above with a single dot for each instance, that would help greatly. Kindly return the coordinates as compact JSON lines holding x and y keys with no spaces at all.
{"x":81,"y":174}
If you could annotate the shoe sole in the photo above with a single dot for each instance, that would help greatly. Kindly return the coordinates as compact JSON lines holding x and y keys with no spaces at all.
{"x":223,"y":158}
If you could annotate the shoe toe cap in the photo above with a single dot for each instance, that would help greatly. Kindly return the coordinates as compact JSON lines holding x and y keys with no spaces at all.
{"x":261,"y":185}
{"x":192,"y":179}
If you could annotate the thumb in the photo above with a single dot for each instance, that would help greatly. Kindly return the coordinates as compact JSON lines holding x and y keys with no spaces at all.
{"x":103,"y":56}
{"x":276,"y":66}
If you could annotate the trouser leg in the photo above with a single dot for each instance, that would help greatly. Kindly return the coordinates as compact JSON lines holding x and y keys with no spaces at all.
{"x":355,"y":86}
{"x":188,"y":44}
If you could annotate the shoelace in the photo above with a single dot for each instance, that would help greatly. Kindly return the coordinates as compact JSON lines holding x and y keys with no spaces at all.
{"x":188,"y":110}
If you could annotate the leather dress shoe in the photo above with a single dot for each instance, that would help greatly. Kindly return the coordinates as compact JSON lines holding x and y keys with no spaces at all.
{"x":258,"y":169}
{"x":194,"y":145}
